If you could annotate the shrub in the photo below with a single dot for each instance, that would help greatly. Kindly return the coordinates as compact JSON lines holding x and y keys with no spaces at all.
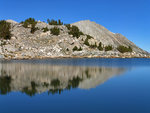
{"x":93,"y":46}
{"x":33,"y":28}
{"x":124,"y":49}
{"x":75,"y":48}
{"x":31,"y":22}
{"x":45,"y":29}
{"x":5,"y":30}
{"x":80,"y":49}
{"x":55,"y":31}
{"x":59,"y":22}
{"x":86,"y":42}
{"x":108,"y":48}
{"x":68,"y":26}
{"x":89,"y":37}
{"x":67,"y":49}
{"x":74,"y":30}
{"x":100,"y":47}
{"x":130,"y":49}
{"x":54,"y":22}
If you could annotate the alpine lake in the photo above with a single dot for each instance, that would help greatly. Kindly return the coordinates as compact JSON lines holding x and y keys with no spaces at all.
{"x":73,"y":85}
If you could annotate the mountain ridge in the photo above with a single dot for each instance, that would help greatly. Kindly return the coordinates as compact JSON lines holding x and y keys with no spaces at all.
{"x":115,"y":37}
{"x":81,"y":39}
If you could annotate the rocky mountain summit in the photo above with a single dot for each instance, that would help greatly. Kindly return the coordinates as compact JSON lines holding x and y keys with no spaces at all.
{"x":36,"y":39}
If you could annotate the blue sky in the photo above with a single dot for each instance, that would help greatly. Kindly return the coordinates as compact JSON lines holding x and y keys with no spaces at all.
{"x":128,"y":17}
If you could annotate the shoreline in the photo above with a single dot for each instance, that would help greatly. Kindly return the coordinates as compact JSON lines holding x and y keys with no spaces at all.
{"x":71,"y":57}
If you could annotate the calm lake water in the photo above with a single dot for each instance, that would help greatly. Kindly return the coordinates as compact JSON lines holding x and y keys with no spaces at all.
{"x":75,"y":86}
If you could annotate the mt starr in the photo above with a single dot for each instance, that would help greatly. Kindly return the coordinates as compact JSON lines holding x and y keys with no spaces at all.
{"x":36,"y":39}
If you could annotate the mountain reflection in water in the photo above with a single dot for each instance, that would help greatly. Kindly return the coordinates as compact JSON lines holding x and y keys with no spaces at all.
{"x":31,"y":78}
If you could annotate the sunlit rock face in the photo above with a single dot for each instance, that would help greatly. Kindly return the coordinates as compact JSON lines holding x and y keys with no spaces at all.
{"x":26,"y":45}
{"x":100,"y":33}
{"x":37,"y":78}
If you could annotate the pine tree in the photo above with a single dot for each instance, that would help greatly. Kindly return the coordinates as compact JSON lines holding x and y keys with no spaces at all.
{"x":5,"y":30}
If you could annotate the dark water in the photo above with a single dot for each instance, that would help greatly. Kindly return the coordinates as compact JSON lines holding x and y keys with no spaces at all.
{"x":75,"y":86}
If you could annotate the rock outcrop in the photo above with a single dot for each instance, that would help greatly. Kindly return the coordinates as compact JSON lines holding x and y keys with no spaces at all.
{"x":24,"y":44}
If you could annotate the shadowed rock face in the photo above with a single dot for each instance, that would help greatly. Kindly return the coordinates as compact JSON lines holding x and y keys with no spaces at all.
{"x":37,"y":78}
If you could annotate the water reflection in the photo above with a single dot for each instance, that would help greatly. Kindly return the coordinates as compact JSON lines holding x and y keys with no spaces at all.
{"x":35,"y":78}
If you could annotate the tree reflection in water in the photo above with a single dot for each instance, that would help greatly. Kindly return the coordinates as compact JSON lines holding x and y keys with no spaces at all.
{"x":32,"y":91}
{"x":35,"y":78}
{"x":5,"y":84}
